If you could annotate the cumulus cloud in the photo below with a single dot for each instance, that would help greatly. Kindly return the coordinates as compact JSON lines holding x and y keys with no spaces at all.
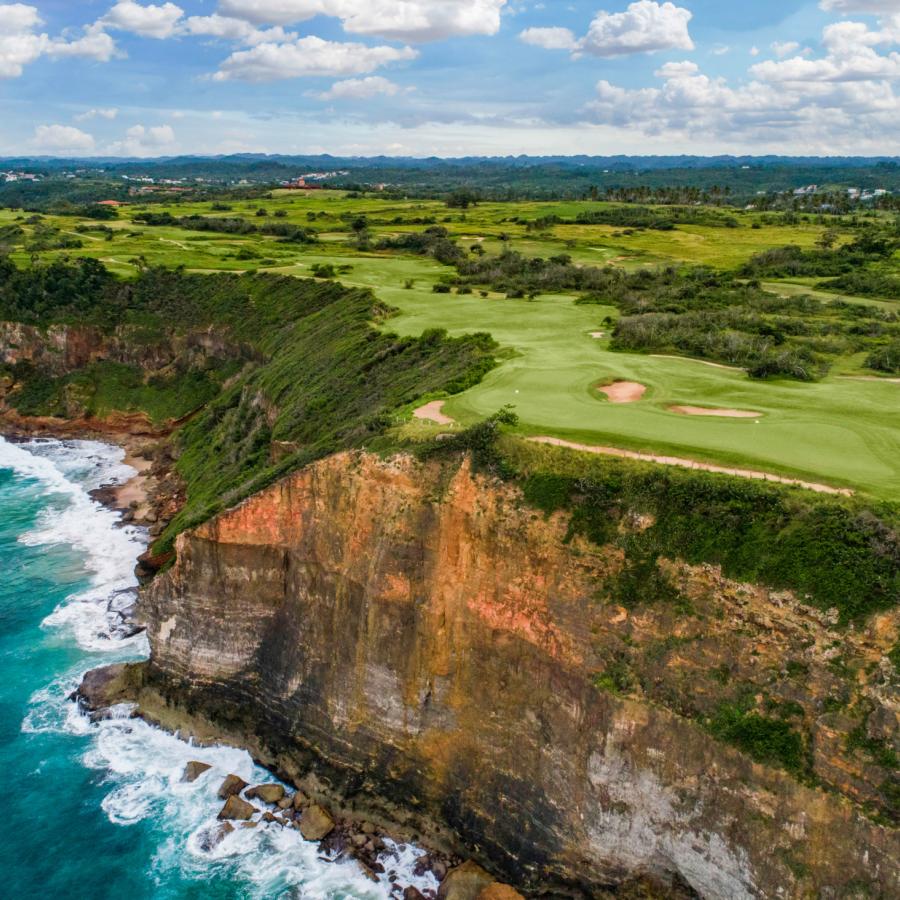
{"x":21,"y":44}
{"x":146,"y":21}
{"x":308,"y":56}
{"x":784,"y":48}
{"x":408,"y":20}
{"x":95,"y":44}
{"x":238,"y":30}
{"x":143,"y":141}
{"x":361,"y":88}
{"x":794,"y":102}
{"x":62,"y":138}
{"x":644,"y":27}
{"x":89,"y":114}
{"x":851,"y":54}
{"x":550,"y":38}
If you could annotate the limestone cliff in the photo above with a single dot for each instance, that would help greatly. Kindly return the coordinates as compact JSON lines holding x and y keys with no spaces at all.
{"x":422,"y":642}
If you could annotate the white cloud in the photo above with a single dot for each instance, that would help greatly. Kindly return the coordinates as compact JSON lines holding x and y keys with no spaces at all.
{"x":147,"y":21}
{"x":238,"y":30}
{"x":645,"y":27}
{"x":677,"y":69}
{"x":784,"y":48}
{"x":361,"y":88}
{"x":62,"y":138}
{"x":89,"y":114}
{"x":95,"y":44}
{"x":850,"y":55}
{"x":155,"y":136}
{"x":550,"y":38}
{"x":143,"y":141}
{"x":806,"y":115}
{"x":408,"y":20}
{"x":308,"y":56}
{"x":21,"y":45}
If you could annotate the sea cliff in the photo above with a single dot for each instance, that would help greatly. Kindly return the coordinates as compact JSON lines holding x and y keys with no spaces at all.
{"x":420,"y":642}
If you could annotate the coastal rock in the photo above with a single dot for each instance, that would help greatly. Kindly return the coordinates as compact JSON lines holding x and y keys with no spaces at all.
{"x":194,"y":769}
{"x":315,"y":823}
{"x":237,"y":809}
{"x":268,"y":793}
{"x":212,"y":837}
{"x":413,"y":893}
{"x":465,"y":882}
{"x":232,"y":785}
{"x":109,"y":685}
{"x":499,"y":891}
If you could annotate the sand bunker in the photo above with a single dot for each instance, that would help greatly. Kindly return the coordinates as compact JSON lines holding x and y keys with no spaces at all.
{"x":623,"y":391}
{"x":720,"y":413}
{"x":596,"y":335}
{"x":434,"y":412}
{"x":693,"y":464}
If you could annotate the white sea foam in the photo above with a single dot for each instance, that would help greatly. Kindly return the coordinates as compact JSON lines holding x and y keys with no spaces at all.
{"x":66,"y":471}
{"x":142,"y":765}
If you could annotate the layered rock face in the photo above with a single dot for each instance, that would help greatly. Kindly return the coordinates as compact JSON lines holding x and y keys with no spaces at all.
{"x":61,"y":349}
{"x":426,"y":645}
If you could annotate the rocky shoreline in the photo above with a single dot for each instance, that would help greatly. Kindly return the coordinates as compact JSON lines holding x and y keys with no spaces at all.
{"x":310,"y":808}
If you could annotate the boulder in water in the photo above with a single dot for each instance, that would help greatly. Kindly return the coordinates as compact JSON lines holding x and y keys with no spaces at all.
{"x":316,"y":823}
{"x":212,"y":837}
{"x":194,"y":769}
{"x":268,"y":793}
{"x":232,"y":785}
{"x":237,"y":809}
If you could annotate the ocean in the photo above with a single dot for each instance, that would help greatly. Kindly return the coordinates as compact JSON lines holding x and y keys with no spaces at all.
{"x":94,"y":811}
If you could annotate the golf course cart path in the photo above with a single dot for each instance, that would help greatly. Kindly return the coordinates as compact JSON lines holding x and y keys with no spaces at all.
{"x":719,"y":413}
{"x":692,"y":464}
{"x":703,"y":362}
{"x":434,"y":412}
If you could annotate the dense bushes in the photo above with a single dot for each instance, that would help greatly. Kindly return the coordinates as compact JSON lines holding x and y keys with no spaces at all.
{"x":886,"y":359}
{"x":284,"y":230}
{"x":833,"y":551}
{"x":793,"y":262}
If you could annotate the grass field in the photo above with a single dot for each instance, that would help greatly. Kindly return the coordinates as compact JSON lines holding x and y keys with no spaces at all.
{"x":842,"y":431}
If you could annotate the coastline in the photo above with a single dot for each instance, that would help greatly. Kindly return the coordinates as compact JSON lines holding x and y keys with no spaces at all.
{"x":358,"y":835}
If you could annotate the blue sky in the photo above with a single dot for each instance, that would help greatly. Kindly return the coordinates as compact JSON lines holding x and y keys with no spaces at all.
{"x":449,"y":77}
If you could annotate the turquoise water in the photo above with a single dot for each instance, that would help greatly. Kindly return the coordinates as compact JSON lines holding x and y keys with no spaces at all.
{"x":95,"y":811}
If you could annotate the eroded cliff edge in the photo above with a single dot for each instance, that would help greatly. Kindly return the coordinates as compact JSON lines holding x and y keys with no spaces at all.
{"x":431,"y":648}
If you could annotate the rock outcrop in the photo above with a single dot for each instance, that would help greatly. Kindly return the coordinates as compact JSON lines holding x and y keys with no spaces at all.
{"x":424,"y":645}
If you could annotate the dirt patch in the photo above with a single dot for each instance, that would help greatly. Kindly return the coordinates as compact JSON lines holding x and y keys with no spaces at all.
{"x":703,"y":362}
{"x":869,"y":378}
{"x":434,"y":412}
{"x":718,"y":413}
{"x":693,"y":464}
{"x":623,"y":391}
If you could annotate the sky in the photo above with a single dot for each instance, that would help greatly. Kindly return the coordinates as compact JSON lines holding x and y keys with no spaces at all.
{"x":450,"y":77}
